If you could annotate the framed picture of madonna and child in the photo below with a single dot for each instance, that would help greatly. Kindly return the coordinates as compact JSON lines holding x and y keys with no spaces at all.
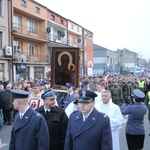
{"x":64,"y":67}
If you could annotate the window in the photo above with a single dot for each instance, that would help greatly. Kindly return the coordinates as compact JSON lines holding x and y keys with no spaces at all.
{"x":52,"y":17}
{"x":1,"y":7}
{"x":61,"y":21}
{"x":31,"y":26}
{"x":78,"y":29}
{"x":24,"y":3}
{"x":1,"y":71}
{"x":17,"y":21}
{"x":85,"y":41}
{"x":37,"y":9}
{"x":39,"y":72}
{"x":17,"y":46}
{"x":73,"y":40}
{"x":32,"y":49}
{"x":56,"y":34}
{"x":1,"y":37}
{"x":72,"y":27}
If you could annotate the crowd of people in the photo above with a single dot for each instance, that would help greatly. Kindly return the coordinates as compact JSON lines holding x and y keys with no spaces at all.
{"x":86,"y":117}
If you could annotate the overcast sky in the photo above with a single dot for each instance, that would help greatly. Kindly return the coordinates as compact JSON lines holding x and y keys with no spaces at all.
{"x":116,"y":24}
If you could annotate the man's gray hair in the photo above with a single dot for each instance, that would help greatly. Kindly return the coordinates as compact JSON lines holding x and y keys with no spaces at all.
{"x":106,"y":91}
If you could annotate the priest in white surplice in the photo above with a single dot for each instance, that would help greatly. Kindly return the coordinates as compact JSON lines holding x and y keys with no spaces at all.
{"x":98,"y":99}
{"x":115,"y":115}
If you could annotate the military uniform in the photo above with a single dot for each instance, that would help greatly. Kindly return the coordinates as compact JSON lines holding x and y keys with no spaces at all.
{"x":117,"y":95}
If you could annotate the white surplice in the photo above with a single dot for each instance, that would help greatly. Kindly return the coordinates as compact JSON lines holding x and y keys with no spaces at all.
{"x":116,"y":120}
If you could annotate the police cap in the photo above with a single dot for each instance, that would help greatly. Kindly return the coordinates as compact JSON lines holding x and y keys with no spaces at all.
{"x":86,"y":82}
{"x":138,"y":95}
{"x":86,"y":96}
{"x":48,"y":94}
{"x":19,"y":93}
{"x":68,"y":85}
{"x":42,"y":83}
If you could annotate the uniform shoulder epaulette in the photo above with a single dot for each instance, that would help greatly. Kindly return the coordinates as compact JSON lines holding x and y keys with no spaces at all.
{"x":37,"y":114}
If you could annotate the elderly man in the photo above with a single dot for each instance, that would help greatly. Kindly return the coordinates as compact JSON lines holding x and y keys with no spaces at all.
{"x":56,"y":119}
{"x":87,"y":128}
{"x":30,"y":131}
{"x":115,"y":115}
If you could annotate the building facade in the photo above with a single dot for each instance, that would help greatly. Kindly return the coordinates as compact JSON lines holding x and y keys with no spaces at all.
{"x":127,"y":59}
{"x":29,"y":22}
{"x":29,"y":31}
{"x":105,"y":61}
{"x":5,"y":41}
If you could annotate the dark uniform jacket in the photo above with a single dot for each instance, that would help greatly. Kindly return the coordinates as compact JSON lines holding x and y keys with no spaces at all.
{"x":92,"y":134}
{"x":57,"y":121}
{"x":30,"y":132}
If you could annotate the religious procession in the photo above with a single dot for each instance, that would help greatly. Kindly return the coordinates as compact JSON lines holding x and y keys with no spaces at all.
{"x":86,"y":117}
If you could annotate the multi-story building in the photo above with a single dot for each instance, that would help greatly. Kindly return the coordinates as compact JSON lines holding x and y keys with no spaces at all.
{"x":28,"y":31}
{"x":29,"y":23}
{"x":5,"y":41}
{"x":127,"y":59}
{"x":88,"y":52}
{"x":105,"y":61}
{"x":56,"y":33}
{"x":75,"y":39}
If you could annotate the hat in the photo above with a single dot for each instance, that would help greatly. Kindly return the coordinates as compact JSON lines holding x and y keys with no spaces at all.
{"x":68,"y":85}
{"x":48,"y":94}
{"x":138,"y":95}
{"x":42,"y":83}
{"x":86,"y":96}
{"x":19,"y":93}
{"x":86,"y":82}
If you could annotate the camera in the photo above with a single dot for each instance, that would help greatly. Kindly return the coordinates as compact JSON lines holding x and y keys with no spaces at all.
{"x":128,"y":100}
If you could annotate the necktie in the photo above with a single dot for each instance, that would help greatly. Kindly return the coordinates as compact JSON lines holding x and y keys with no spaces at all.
{"x":69,"y":95}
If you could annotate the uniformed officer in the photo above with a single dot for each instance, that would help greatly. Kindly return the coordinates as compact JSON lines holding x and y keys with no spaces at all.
{"x":86,"y":85}
{"x":87,"y":128}
{"x":56,"y":119}
{"x":70,"y":97}
{"x":135,"y":132}
{"x":30,"y":131}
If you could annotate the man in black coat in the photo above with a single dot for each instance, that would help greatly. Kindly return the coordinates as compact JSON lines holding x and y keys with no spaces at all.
{"x":7,"y":105}
{"x":56,"y":119}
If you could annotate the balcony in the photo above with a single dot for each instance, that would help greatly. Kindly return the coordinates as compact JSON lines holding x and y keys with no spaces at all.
{"x":28,"y":32}
{"x":32,"y":58}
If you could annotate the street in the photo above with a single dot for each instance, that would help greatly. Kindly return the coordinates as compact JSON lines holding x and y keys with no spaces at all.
{"x":6,"y":131}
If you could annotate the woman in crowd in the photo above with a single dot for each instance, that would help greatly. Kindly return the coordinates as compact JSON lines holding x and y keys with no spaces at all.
{"x":135,"y":132}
